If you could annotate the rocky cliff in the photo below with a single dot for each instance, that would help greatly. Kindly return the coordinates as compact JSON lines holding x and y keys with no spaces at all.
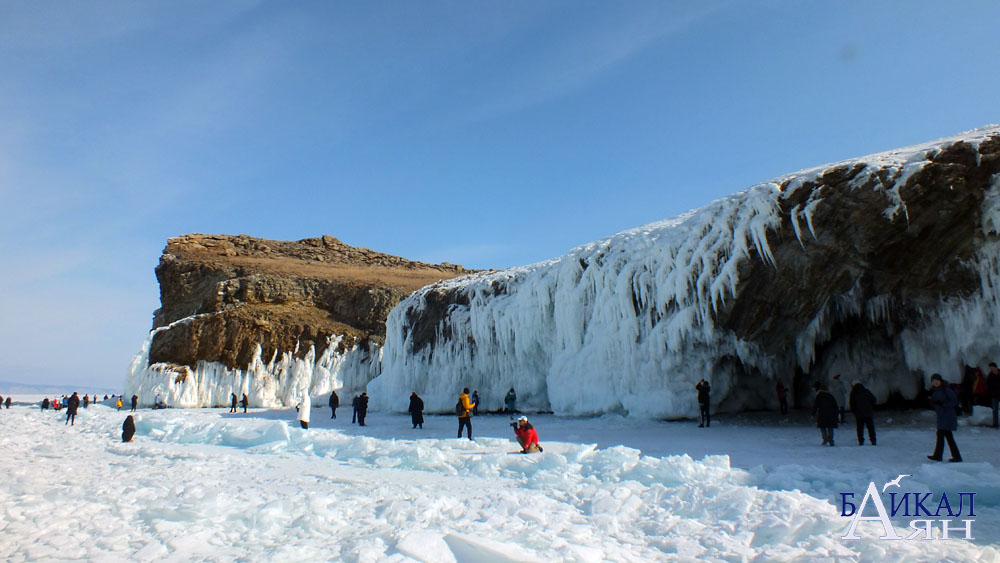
{"x":228,"y":301}
{"x":882,"y":269}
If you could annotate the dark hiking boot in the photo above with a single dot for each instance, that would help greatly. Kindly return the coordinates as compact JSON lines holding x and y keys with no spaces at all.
{"x":932,"y":458}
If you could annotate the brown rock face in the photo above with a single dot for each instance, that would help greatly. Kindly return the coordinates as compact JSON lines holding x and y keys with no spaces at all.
{"x":281,"y":295}
{"x":916,"y":258}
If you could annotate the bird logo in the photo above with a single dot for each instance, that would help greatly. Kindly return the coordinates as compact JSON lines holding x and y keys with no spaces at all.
{"x":894,"y":482}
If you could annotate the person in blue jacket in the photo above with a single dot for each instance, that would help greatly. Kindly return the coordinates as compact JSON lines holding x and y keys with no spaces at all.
{"x":510,"y":403}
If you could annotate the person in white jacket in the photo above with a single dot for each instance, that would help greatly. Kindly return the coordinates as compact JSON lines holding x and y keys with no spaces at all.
{"x":304,"y":407}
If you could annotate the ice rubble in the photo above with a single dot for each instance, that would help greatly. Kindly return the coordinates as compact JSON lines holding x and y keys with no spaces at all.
{"x":272,"y":491}
{"x":624,"y":324}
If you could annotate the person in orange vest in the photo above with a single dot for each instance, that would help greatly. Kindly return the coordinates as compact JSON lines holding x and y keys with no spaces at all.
{"x":464,"y":411}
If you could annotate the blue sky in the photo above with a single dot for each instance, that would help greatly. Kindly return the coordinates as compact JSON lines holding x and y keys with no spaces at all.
{"x":487,"y":134}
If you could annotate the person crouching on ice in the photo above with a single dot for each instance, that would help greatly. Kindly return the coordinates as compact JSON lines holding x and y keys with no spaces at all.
{"x":526,"y":436}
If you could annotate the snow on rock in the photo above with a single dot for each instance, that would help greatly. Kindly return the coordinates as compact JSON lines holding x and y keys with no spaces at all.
{"x":883,"y":269}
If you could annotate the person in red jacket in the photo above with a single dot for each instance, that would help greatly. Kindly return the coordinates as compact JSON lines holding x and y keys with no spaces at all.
{"x":526,"y":436}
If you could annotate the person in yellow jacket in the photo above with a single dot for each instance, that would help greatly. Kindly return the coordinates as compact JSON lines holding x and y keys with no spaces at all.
{"x":118,"y":403}
{"x":464,"y":411}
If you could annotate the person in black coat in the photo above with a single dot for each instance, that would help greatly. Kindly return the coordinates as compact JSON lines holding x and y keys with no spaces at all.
{"x":354,"y":404}
{"x":862,"y":404}
{"x":416,"y":410}
{"x":45,"y":404}
{"x":135,"y":402}
{"x":944,"y":401}
{"x":72,"y":404}
{"x":703,"y":389}
{"x":334,"y":403}
{"x":362,"y":408}
{"x":827,"y":413}
{"x":128,"y":429}
{"x":232,"y":402}
{"x":244,"y":402}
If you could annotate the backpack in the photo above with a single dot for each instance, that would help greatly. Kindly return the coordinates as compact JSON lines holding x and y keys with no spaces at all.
{"x":979,"y":386}
{"x":459,"y":408}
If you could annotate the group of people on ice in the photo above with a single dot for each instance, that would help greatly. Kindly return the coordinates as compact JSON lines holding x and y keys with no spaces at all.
{"x":526,"y":435}
{"x":465,"y":409}
{"x":359,"y":404}
{"x":832,"y":401}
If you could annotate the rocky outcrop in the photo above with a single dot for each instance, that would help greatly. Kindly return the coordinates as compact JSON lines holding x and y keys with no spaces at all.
{"x":884,"y":269}
{"x":916,"y":256}
{"x":241,"y":292}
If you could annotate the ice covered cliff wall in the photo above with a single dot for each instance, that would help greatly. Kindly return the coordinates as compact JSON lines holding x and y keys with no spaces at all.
{"x":883,"y":269}
{"x":269,"y":318}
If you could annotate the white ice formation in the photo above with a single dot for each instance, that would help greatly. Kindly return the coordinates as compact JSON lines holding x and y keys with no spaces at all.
{"x":628,"y":324}
{"x":279,"y":382}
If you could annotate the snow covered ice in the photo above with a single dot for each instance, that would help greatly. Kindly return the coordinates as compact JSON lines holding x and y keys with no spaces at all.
{"x":209,"y":485}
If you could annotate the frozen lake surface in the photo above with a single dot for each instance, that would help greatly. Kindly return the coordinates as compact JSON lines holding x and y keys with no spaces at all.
{"x":208,"y":485}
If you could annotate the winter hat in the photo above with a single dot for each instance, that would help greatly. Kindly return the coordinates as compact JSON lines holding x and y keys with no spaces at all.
{"x":938,"y":377}
{"x":524,"y":418}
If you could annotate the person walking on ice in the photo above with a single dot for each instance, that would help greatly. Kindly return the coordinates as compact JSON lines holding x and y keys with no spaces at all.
{"x":71,"y":407}
{"x":464,"y":411}
{"x":509,"y":402}
{"x":416,"y":411}
{"x":334,"y":403}
{"x":362,"y":408}
{"x":704,"y":402}
{"x":304,"y":408}
{"x":862,"y":404}
{"x":944,"y":401}
{"x":232,"y":402}
{"x":825,"y":411}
